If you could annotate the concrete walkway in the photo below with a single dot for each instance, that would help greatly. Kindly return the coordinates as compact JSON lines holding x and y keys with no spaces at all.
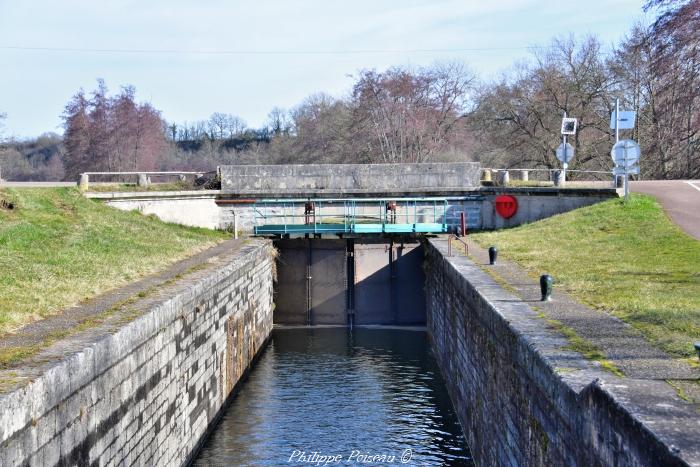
{"x":679,"y":198}
{"x":623,"y":345}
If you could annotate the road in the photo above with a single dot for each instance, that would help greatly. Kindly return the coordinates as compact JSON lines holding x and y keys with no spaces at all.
{"x":679,"y":198}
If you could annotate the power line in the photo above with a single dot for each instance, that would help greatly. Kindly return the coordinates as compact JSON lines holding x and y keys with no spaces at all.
{"x":267,"y":52}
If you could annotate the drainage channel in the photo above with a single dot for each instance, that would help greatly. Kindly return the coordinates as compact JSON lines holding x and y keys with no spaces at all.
{"x":340,"y":396}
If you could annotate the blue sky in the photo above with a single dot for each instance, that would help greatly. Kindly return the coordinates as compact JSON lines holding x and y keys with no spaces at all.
{"x":283,"y":45}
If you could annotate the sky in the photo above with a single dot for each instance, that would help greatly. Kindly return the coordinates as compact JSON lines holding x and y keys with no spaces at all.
{"x":193,"y":58}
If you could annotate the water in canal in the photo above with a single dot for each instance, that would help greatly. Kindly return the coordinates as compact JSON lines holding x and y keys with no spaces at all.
{"x":334,"y":392}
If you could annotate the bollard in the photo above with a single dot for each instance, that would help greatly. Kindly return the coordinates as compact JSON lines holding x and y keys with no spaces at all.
{"x":546,"y":282}
{"x":487,"y":175}
{"x":235,"y":225}
{"x":505,"y":177}
{"x":143,"y":180}
{"x":524,"y":175}
{"x":559,"y":179}
{"x":182,"y":177}
{"x":84,"y":182}
{"x":493,"y":255}
{"x":462,"y":225}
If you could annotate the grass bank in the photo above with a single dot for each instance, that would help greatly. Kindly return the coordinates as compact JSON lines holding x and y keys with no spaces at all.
{"x":627,"y":259}
{"x":58,"y":249}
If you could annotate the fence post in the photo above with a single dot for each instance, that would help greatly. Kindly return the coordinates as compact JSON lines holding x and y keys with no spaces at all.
{"x":84,"y":182}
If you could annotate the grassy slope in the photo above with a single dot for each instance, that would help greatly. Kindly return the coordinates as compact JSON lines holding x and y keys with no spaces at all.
{"x":628,"y":259}
{"x":58,"y":248}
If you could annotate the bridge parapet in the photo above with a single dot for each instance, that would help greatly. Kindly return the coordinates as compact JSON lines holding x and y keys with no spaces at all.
{"x":350,"y":179}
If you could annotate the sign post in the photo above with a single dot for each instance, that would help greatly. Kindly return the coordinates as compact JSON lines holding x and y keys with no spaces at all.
{"x":625,"y":153}
{"x":565,"y":151}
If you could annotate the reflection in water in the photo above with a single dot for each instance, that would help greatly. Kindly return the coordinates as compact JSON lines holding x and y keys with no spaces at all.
{"x":337,"y":392}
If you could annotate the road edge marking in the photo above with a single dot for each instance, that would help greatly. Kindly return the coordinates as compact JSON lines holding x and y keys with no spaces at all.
{"x":693,"y":185}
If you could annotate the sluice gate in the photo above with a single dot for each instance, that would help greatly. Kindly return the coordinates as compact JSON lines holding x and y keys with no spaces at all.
{"x":352,"y":281}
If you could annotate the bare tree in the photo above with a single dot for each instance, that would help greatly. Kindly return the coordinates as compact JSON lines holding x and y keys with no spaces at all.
{"x":518,"y":119}
{"x":409,"y":115}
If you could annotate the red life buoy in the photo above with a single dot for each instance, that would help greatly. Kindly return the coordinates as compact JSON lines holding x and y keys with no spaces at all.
{"x":506,"y":206}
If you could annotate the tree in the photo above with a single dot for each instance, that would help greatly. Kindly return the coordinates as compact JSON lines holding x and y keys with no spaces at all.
{"x":112,"y":133}
{"x":3,"y":116}
{"x":674,"y":44}
{"x":518,"y":119}
{"x":405,"y":115}
{"x":279,"y":122}
{"x":322,"y":127}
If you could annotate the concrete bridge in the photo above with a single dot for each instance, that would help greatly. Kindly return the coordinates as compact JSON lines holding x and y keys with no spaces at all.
{"x":440,"y":193}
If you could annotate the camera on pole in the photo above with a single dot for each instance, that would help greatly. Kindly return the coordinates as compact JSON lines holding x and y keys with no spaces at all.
{"x":565,"y":151}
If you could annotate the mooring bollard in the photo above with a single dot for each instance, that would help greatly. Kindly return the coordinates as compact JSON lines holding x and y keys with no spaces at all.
{"x":546,"y":282}
{"x":493,"y":255}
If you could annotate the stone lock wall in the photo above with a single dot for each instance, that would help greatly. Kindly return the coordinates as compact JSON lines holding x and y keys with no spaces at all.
{"x":522,"y":398}
{"x":148,"y":393}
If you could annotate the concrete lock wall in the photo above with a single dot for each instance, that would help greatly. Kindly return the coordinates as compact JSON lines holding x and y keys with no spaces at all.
{"x":208,"y":210}
{"x":147,"y":394}
{"x":536,"y":204}
{"x":193,"y":208}
{"x":521,"y":397}
{"x":322,"y":281}
{"x":348,"y":178}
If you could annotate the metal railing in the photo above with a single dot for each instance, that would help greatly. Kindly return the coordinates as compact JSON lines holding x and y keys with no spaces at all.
{"x":362,"y":215}
{"x":505,"y":175}
{"x":449,"y":244}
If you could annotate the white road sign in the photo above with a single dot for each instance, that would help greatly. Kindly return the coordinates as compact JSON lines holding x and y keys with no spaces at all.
{"x":625,"y":153}
{"x":627,"y":119}
{"x":565,"y":153}
{"x":568,"y":126}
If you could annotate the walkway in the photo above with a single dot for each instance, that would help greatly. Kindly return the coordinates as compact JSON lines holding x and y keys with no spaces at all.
{"x":623,"y":345}
{"x":679,"y":198}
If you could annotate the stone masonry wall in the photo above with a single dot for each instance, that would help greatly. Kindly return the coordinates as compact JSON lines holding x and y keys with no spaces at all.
{"x":348,"y":178}
{"x":147,"y":393}
{"x":523,"y":399}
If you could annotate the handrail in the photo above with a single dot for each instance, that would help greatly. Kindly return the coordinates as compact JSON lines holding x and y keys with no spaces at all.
{"x":145,"y":173}
{"x":549,"y":170}
{"x":449,"y":244}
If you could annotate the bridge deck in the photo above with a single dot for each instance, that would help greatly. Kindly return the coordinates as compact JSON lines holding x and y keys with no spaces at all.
{"x":351,"y":216}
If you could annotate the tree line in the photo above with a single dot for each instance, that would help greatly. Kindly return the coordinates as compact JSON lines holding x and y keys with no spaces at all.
{"x":441,"y":112}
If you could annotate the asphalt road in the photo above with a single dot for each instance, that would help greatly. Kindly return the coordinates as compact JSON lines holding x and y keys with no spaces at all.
{"x":679,"y":198}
